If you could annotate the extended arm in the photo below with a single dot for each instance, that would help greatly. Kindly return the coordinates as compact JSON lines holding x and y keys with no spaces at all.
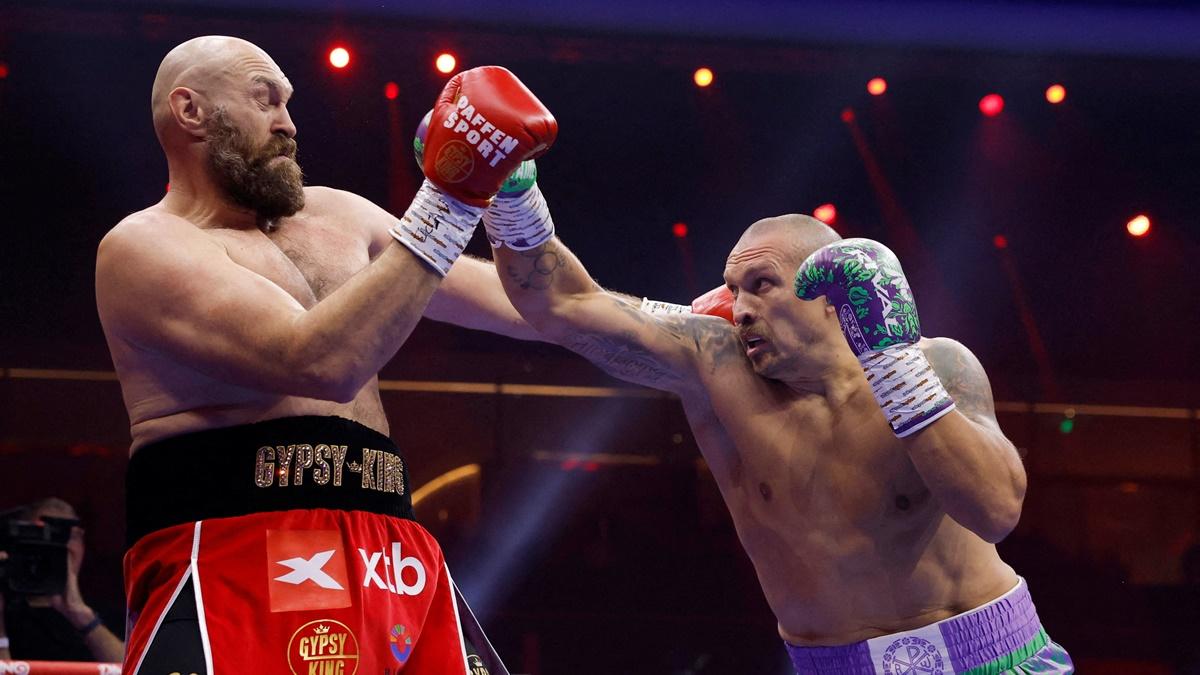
{"x":964,"y":457}
{"x":553,"y":291}
{"x":471,"y":296}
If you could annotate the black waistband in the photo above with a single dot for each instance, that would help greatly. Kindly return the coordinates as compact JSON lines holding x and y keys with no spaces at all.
{"x":305,"y":462}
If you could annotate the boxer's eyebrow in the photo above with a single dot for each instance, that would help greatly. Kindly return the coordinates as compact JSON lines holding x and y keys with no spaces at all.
{"x":276,"y":91}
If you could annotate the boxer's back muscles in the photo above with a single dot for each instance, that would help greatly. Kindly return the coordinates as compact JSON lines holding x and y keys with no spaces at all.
{"x":847,"y":540}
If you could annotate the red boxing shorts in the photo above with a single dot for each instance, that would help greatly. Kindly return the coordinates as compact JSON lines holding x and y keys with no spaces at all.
{"x":306,"y":591}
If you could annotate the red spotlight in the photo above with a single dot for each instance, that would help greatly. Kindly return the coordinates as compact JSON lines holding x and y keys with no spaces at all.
{"x":703,"y":77}
{"x":445,"y":63}
{"x":3,"y":70}
{"x":876,"y":86}
{"x":1056,"y":93}
{"x":391,"y":91}
{"x":591,"y":466}
{"x":1000,"y":241}
{"x":847,"y":115}
{"x":339,"y":57}
{"x":679,"y":229}
{"x":826,"y":213}
{"x":168,"y":186}
{"x":991,"y":105}
{"x":1139,"y":225}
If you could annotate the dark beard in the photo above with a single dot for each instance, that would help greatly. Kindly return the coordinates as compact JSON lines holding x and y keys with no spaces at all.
{"x":246,"y":174}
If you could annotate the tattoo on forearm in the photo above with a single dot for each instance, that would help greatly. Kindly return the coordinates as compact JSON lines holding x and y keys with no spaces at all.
{"x":621,"y":355}
{"x":538,"y":267}
{"x":715,"y":342}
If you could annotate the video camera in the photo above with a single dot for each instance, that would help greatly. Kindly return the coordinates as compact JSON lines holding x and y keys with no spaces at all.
{"x":37,"y":554}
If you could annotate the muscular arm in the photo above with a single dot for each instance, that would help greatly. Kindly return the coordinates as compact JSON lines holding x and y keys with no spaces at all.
{"x":553,"y":291}
{"x":471,"y":297}
{"x":964,"y":458}
{"x":167,"y":288}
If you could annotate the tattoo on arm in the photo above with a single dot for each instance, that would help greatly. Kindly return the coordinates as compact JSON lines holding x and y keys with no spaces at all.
{"x":965,"y":379}
{"x":622,"y":356}
{"x":539,"y":268}
{"x":626,"y":354}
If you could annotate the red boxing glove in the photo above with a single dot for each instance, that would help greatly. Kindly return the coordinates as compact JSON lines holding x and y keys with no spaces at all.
{"x":717,"y":302}
{"x":484,"y":124}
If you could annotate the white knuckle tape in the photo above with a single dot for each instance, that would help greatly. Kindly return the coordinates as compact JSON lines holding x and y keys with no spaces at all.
{"x":906,"y":388}
{"x":436,"y":227}
{"x":660,"y":308}
{"x":521,"y":221}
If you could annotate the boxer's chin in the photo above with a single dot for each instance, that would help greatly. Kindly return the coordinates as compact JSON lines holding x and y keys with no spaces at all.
{"x":277,"y":189}
{"x":266,"y":180}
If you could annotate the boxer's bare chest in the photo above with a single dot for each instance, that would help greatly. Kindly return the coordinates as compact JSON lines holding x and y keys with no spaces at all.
{"x":839,"y":473}
{"x":309,"y":257}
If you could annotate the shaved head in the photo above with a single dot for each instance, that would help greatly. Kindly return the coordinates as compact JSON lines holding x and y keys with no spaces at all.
{"x":220,"y":107}
{"x":205,"y":64}
{"x":799,"y":233}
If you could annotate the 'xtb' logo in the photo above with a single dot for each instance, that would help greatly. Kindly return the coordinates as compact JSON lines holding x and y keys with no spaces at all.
{"x":394,"y":565}
{"x":309,"y":570}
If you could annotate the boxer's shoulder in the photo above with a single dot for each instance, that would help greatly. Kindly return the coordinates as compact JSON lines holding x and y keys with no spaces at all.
{"x":349,"y":210}
{"x":149,"y":232}
{"x":963,"y":376}
{"x":149,"y":222}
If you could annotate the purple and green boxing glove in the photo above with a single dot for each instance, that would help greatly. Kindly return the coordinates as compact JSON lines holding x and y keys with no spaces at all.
{"x":862,"y":279}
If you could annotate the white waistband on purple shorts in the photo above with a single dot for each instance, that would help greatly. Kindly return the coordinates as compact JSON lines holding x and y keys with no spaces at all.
{"x":954,"y":645}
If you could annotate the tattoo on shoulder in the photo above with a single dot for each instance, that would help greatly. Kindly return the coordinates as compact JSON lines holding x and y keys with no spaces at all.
{"x":964,"y":377}
{"x":538,"y":267}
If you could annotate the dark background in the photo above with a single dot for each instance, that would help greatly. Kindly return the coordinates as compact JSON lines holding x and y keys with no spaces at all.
{"x":627,"y":562}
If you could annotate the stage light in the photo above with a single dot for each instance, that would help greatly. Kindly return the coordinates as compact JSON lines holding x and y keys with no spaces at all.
{"x":847,"y":115}
{"x":1056,"y":93}
{"x":1000,"y":241}
{"x":1067,"y":424}
{"x":679,"y":230}
{"x":391,"y":91}
{"x":991,"y":105}
{"x":703,"y":77}
{"x":339,"y":57}
{"x":3,"y":70}
{"x":876,"y":86}
{"x":168,"y":186}
{"x":826,"y":213}
{"x":445,"y":63}
{"x":1139,"y":225}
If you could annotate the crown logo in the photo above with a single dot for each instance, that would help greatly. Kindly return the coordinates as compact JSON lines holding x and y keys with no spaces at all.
{"x":321,"y":629}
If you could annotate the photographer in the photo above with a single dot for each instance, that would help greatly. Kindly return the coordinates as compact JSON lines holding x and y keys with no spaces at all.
{"x":56,"y":626}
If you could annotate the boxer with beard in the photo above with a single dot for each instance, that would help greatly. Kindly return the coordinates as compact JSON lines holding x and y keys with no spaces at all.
{"x":269,"y":519}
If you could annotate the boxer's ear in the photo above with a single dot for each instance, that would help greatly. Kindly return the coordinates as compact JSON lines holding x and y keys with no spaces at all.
{"x":189,"y":110}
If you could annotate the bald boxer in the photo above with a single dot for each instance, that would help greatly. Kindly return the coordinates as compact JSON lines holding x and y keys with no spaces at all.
{"x":863,"y":466}
{"x":269,"y":517}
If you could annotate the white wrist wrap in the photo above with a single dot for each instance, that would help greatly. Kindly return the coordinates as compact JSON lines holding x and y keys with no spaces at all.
{"x":520,"y":220}
{"x":660,"y":308}
{"x":906,"y":388}
{"x":436,"y":227}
